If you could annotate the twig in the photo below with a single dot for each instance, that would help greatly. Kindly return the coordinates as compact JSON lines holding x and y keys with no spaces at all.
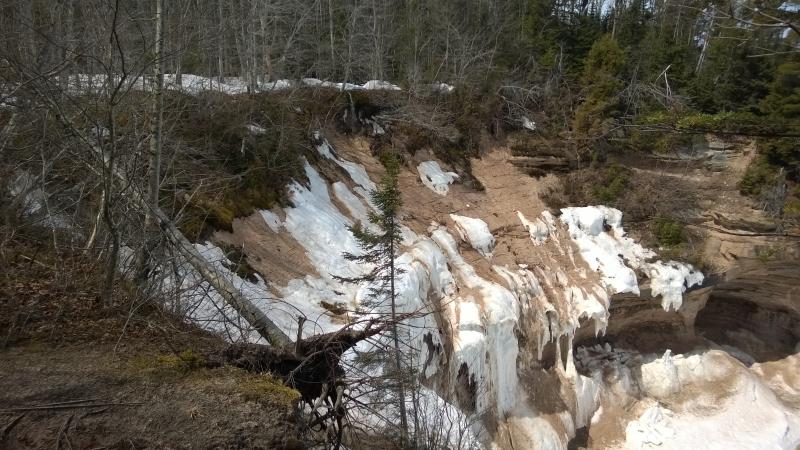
{"x":44,"y":408}
{"x":37,"y":262}
{"x":61,"y":431}
{"x":7,"y":429}
{"x":70,"y":402}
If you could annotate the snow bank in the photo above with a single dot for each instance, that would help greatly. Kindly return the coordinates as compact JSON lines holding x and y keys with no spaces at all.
{"x":597,"y":230}
{"x":715,"y":402}
{"x":752,"y":417}
{"x":369,"y":85}
{"x":476,"y":232}
{"x":670,"y":280}
{"x":660,"y":377}
{"x":380,"y":85}
{"x":601,"y":250}
{"x":195,"y":84}
{"x":434,"y":177}
{"x":320,"y":227}
{"x":202,"y":304}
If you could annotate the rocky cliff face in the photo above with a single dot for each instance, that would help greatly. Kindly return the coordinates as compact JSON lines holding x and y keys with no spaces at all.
{"x":549,"y":329}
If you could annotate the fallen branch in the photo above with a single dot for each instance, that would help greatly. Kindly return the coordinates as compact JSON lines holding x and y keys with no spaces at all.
{"x":58,"y":407}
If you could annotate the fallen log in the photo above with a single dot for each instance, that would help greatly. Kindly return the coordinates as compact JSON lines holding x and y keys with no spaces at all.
{"x":311,"y":366}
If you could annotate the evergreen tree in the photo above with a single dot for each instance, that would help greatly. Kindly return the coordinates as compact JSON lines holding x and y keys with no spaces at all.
{"x":784,"y":92}
{"x":379,"y":250}
{"x":601,"y":79}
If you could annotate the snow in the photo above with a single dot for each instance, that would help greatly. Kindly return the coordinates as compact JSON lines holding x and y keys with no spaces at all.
{"x":354,"y":206}
{"x":255,"y":129}
{"x":368,"y":86}
{"x":320,"y":227}
{"x":660,"y":377}
{"x":499,"y":313}
{"x":35,"y":203}
{"x":380,"y":85}
{"x":750,"y":417}
{"x":196,"y":84}
{"x":202,"y":304}
{"x":442,"y":88}
{"x":443,"y":423}
{"x":528,"y":124}
{"x":434,"y":177}
{"x":714,"y":401}
{"x":602,"y":250}
{"x":476,"y":232}
{"x":356,"y":171}
{"x":597,"y":230}
{"x":789,"y":7}
{"x":272,"y":220}
{"x":539,"y":228}
{"x":651,"y":429}
{"x":484,"y":316}
{"x":670,"y":280}
{"x":35,"y":198}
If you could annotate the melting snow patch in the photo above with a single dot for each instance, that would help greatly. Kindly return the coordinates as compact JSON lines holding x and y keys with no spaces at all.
{"x":476,"y":232}
{"x":597,"y":230}
{"x":273,"y":221}
{"x":539,"y":228}
{"x":380,"y":85}
{"x":442,"y":88}
{"x":434,"y":177}
{"x":369,"y":85}
{"x":255,"y":129}
{"x":749,"y":416}
{"x":356,"y":171}
{"x":651,"y":429}
{"x":660,"y":377}
{"x":528,"y":124}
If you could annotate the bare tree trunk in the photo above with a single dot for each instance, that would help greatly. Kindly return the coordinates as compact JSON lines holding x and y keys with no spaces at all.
{"x":706,"y":39}
{"x":398,"y":364}
{"x":154,"y":154}
{"x":220,"y":43}
{"x":97,"y":221}
{"x":330,"y":33}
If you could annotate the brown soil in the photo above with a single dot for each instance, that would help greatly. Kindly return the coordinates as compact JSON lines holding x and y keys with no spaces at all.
{"x":276,"y":256}
{"x":142,"y":402}
{"x":127,"y":375}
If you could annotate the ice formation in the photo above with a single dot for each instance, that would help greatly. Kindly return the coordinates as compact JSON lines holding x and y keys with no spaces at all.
{"x":650,"y":430}
{"x":540,"y":228}
{"x":476,"y":232}
{"x":597,"y":230}
{"x":434,"y":177}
